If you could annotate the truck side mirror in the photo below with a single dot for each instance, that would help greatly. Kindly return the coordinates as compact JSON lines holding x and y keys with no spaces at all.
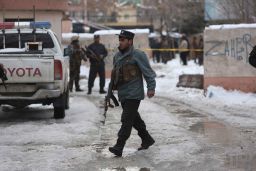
{"x":66,"y":52}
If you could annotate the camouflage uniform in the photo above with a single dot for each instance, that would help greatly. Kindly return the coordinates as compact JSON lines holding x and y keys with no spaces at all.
{"x":76,"y":55}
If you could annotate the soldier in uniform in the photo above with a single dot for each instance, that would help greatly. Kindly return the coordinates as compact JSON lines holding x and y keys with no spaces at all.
{"x":99,"y":52}
{"x":76,"y":54}
{"x":130,"y":66}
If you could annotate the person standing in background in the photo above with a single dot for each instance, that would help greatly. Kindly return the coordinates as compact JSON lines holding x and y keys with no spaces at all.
{"x":76,"y":55}
{"x":97,"y":52}
{"x":184,"y":50}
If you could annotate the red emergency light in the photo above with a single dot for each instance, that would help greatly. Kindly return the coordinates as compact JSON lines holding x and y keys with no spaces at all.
{"x":13,"y":25}
{"x":7,"y":25}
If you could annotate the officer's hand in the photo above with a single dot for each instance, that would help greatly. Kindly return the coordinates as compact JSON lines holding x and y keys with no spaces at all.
{"x":150,"y":93}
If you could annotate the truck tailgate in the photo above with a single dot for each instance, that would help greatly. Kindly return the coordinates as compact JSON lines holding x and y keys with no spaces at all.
{"x":29,"y":69}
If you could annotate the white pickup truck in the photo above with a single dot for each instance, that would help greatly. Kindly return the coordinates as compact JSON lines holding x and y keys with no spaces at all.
{"x":35,"y":66}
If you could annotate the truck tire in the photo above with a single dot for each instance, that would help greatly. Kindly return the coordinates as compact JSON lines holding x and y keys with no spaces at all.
{"x":59,"y":107}
{"x":59,"y":112}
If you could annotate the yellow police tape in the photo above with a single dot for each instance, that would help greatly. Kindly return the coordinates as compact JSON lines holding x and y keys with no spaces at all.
{"x":174,"y":49}
{"x":168,"y":49}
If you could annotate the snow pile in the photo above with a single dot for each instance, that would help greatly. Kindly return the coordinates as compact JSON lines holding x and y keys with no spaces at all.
{"x":230,"y":26}
{"x":232,"y":106}
{"x":113,"y":32}
{"x":168,"y":75}
{"x":234,"y":97}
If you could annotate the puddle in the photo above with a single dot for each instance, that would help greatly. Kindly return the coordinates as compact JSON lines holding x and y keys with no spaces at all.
{"x":126,"y":169}
{"x":99,"y":146}
{"x":215,"y":132}
{"x":243,"y":162}
{"x":188,"y":113}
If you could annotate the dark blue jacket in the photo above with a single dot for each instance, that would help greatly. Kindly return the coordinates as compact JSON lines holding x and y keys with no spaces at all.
{"x":100,"y":50}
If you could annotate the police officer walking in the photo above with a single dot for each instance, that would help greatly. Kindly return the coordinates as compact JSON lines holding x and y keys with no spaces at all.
{"x":76,"y":54}
{"x":97,"y":52}
{"x":130,"y":66}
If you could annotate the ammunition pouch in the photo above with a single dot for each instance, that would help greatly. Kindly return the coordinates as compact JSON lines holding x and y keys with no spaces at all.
{"x":124,"y":74}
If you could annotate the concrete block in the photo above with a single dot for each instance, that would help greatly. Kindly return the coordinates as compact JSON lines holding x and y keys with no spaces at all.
{"x":191,"y":81}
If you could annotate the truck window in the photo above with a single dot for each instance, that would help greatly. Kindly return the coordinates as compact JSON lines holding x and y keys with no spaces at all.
{"x":12,"y":40}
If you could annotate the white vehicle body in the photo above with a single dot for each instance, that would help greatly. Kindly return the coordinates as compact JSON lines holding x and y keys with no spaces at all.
{"x":34,"y":76}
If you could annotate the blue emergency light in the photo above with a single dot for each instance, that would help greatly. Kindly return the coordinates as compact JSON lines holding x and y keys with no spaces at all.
{"x":40,"y":24}
{"x":32,"y":24}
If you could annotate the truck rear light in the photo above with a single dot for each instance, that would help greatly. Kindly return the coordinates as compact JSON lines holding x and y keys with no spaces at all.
{"x":57,"y":70}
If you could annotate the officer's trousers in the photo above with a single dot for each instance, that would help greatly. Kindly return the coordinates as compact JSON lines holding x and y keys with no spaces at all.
{"x":131,"y":118}
{"x":183,"y":57}
{"x":74,"y":75}
{"x":94,"y":70}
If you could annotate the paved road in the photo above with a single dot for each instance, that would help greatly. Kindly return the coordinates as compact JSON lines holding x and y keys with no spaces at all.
{"x":186,"y":139}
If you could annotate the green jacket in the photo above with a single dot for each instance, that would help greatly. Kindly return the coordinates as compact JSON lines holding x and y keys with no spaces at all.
{"x":134,"y":89}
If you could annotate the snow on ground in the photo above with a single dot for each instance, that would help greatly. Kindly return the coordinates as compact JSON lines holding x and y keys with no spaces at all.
{"x":37,"y":141}
{"x":219,"y":101}
{"x":216,"y":99}
{"x":32,"y":140}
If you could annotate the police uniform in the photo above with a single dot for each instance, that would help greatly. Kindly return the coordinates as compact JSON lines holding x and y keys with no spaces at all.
{"x":129,"y":69}
{"x":97,"y":65}
{"x":76,"y":55}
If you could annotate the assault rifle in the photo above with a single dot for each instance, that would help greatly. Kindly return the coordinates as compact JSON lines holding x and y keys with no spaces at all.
{"x":92,"y":54}
{"x":107,"y":102}
{"x":3,"y":76}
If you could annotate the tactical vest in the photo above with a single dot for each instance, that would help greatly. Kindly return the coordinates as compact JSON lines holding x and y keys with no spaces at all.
{"x":124,"y":73}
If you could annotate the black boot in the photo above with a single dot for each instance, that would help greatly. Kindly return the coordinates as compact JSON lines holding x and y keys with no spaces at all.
{"x":102,"y":91}
{"x":79,"y":89}
{"x":89,"y":91}
{"x":70,"y":85}
{"x":117,"y":149}
{"x":146,"y":143}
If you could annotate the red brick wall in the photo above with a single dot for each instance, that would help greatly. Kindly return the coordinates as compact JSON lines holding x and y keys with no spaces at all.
{"x":245,"y":84}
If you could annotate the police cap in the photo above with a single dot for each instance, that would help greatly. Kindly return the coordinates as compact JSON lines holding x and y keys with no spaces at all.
{"x":96,"y":36}
{"x":126,"y":34}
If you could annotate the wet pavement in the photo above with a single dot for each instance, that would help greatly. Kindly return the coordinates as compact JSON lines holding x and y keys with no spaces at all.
{"x":195,"y":141}
{"x":234,"y":146}
{"x":186,"y":139}
{"x":127,"y":169}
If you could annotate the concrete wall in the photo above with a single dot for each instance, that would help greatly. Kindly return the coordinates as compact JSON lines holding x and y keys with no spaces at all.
{"x":54,"y":17}
{"x":226,"y":51}
{"x":111,"y":42}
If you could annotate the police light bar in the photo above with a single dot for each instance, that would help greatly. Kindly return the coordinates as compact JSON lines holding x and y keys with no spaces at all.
{"x":32,"y":24}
